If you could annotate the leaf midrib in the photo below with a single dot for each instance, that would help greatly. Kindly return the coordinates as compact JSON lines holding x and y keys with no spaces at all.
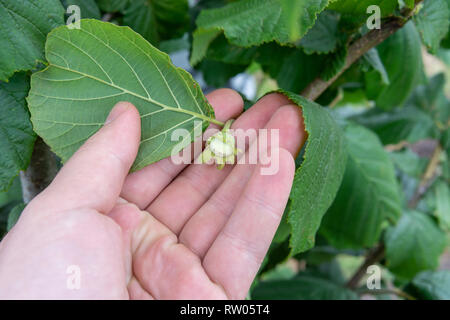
{"x":159,"y":104}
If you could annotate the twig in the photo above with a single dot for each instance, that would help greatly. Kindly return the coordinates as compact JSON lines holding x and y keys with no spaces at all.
{"x":356,"y":50}
{"x":427,"y":178}
{"x":373,"y":257}
{"x":337,"y":99}
{"x":397,"y":146}
{"x":40,"y":172}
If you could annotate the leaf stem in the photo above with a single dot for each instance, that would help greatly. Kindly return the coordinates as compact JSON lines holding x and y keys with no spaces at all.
{"x":215,"y":121}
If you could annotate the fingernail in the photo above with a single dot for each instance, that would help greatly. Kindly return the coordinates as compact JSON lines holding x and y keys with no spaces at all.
{"x":116,"y":112}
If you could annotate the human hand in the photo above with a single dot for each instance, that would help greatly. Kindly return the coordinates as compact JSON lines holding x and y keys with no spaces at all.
{"x":165,"y":232}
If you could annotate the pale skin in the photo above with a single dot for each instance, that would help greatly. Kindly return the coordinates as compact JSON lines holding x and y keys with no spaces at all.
{"x":165,"y":232}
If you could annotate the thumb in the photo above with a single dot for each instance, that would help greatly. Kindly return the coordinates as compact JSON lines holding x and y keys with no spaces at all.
{"x":94,"y":175}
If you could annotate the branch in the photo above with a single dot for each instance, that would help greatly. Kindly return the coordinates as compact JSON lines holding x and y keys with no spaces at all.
{"x":358,"y":49}
{"x":373,"y":257}
{"x":40,"y":172}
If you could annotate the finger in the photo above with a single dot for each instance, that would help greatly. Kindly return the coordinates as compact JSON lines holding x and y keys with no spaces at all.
{"x":143,"y":186}
{"x":236,"y":255}
{"x":172,"y":207}
{"x":202,"y":229}
{"x":162,"y":268}
{"x":94,"y":175}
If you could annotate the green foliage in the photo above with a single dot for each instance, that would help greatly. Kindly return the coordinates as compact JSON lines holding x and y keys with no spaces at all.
{"x":433,"y":21}
{"x":14,"y":215}
{"x":112,"y":5}
{"x":442,"y":197}
{"x":425,"y":115}
{"x":373,"y":59}
{"x":429,"y":285}
{"x":302,"y":288}
{"x":397,"y":53}
{"x":430,"y":98}
{"x":413,"y":245}
{"x":407,"y":124}
{"x":88,"y":8}
{"x":16,"y":134}
{"x":323,"y":36}
{"x":217,"y":74}
{"x":308,"y":67}
{"x":358,"y":8}
{"x":254,"y":22}
{"x":8,"y":200}
{"x":319,"y":176}
{"x":25,"y":24}
{"x":99,"y":65}
{"x":157,"y":20}
{"x":368,"y":195}
{"x":370,"y":135}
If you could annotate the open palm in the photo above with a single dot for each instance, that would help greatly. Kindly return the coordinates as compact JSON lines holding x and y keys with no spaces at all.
{"x":165,"y":232}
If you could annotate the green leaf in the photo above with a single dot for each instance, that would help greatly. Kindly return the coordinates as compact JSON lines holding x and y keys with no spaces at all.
{"x":221,"y":50}
{"x":202,"y":38}
{"x":373,"y":59}
{"x":429,"y":285}
{"x":323,"y":36}
{"x":93,"y":68}
{"x":409,"y":3}
{"x":88,"y":8}
{"x":425,"y":111}
{"x":413,"y":245}
{"x":14,"y":216}
{"x":16,"y":133}
{"x":25,"y":24}
{"x":302,"y":288}
{"x":112,"y":5}
{"x":278,"y":62}
{"x":430,"y":97}
{"x":334,"y":63}
{"x":13,"y":194}
{"x":409,"y":169}
{"x":433,"y":21}
{"x":308,"y":67}
{"x":409,"y":162}
{"x":358,"y":8}
{"x":318,"y":178}
{"x":426,"y":95}
{"x":403,"y":124}
{"x":401,"y":55}
{"x":175,"y":45}
{"x":442,"y":212}
{"x":294,"y":15}
{"x":254,"y":22}
{"x":218,"y":74}
{"x":8,"y":200}
{"x":157,"y":20}
{"x":283,"y":230}
{"x":368,"y":196}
